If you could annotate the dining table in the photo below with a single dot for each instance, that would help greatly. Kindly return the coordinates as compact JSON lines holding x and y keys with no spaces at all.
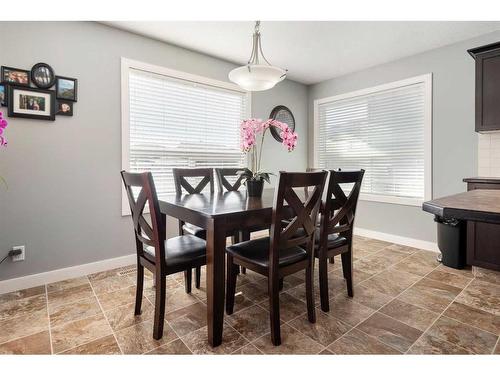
{"x":219,"y":214}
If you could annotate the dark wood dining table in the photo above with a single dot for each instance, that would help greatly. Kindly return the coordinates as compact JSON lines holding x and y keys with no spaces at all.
{"x":219,"y":214}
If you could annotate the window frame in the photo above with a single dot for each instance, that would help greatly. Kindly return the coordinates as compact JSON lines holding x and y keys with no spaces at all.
{"x":128,"y":64}
{"x":426,"y":79}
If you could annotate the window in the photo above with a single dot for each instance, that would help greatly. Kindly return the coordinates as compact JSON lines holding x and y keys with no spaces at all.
{"x":172,"y":119}
{"x":385,"y":130}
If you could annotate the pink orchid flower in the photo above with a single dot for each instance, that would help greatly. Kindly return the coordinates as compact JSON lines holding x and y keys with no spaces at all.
{"x":3,"y":125}
{"x":249,"y":130}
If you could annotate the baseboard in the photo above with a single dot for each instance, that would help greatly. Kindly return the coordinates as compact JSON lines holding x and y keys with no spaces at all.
{"x":37,"y":279}
{"x":400,"y":240}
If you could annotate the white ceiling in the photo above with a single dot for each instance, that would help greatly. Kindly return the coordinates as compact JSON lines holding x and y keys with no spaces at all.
{"x":312,"y":51}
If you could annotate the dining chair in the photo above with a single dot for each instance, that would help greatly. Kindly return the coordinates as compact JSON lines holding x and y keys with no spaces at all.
{"x":282,"y":253}
{"x":335,"y":233}
{"x":161,"y":256}
{"x":224,"y":184}
{"x":313,"y":169}
{"x":204,"y":177}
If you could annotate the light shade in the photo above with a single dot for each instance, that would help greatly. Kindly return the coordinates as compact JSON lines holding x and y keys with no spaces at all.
{"x":258,"y":77}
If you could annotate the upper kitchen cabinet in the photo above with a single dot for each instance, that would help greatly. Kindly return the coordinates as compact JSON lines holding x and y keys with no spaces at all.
{"x":487,"y":86}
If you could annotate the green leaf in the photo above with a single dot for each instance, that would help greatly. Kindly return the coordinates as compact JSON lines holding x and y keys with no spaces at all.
{"x":263,"y":176}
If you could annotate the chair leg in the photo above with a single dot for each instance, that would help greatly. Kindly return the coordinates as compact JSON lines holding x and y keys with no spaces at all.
{"x":281,"y":284}
{"x":347,"y":271}
{"x":274,"y":310}
{"x":311,"y":312}
{"x":332,"y":260}
{"x":232,"y":273}
{"x":323,"y":283}
{"x":159,"y":306}
{"x":139,"y":289}
{"x":244,"y":236}
{"x":188,"y":275}
{"x":198,"y":277}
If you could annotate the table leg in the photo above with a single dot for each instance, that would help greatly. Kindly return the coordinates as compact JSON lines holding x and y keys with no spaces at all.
{"x":216,"y":248}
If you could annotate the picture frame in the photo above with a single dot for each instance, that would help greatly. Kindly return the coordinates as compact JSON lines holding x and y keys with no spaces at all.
{"x":43,"y":76}
{"x":15,"y":76}
{"x":32,"y":103}
{"x":3,"y":95}
{"x":64,"y":108}
{"x":66,"y":88}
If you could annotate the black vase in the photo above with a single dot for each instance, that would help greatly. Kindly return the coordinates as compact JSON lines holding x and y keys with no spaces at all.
{"x":255,"y":187}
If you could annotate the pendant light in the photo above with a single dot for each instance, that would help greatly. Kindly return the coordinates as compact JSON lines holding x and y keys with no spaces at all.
{"x":258,"y":74}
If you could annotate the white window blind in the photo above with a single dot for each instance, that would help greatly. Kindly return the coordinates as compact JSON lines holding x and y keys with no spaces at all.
{"x":176,"y":123}
{"x":382,"y":130}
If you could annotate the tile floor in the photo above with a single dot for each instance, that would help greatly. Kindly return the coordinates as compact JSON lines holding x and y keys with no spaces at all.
{"x":405,"y":302}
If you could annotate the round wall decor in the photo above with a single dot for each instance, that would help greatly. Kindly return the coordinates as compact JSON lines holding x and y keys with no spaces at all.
{"x":43,"y":76}
{"x":282,"y":114}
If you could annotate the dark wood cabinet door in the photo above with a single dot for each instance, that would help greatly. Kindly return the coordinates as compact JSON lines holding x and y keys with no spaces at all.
{"x":488,"y":90}
{"x":483,"y":239}
{"x":483,"y":245}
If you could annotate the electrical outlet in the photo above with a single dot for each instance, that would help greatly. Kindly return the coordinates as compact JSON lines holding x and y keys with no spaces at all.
{"x":20,"y":257}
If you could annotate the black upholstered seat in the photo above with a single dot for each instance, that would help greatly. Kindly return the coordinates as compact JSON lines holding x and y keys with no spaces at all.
{"x":333,"y":241}
{"x":194,"y":230}
{"x":257,"y":252}
{"x":180,"y":250}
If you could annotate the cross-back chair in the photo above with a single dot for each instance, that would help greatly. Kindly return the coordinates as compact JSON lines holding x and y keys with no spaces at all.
{"x":224,"y":185}
{"x":159,"y":255}
{"x":335,"y":233}
{"x":222,"y":181}
{"x":312,"y":169}
{"x":288,"y":250}
{"x":206,"y":178}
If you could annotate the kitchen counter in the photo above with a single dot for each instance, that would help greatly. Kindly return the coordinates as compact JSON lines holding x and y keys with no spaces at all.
{"x":479,"y":208}
{"x":476,"y":205}
{"x":483,"y":180}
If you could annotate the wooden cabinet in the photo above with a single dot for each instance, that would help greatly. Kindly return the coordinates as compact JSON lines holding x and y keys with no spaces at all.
{"x":487,"y":86}
{"x":483,"y":239}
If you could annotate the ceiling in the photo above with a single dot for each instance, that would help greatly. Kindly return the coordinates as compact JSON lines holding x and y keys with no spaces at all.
{"x":312,"y":51}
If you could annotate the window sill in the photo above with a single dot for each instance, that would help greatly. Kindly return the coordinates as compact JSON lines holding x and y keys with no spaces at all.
{"x":417,"y":202}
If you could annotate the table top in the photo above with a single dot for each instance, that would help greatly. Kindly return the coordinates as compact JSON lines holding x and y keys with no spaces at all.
{"x":216,"y":204}
{"x":475,"y":205}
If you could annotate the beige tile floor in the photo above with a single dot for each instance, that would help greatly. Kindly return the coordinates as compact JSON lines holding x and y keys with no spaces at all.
{"x":405,"y":302}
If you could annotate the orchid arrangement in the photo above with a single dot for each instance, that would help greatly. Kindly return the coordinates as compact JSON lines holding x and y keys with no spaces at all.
{"x":252,"y":132}
{"x":3,"y":141}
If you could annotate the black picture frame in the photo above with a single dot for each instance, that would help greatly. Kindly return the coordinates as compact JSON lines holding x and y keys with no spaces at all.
{"x":49,"y":108}
{"x":3,"y":94}
{"x":275,"y":113}
{"x":63,"y":95}
{"x":43,"y":76}
{"x":60,"y":107}
{"x":6,"y":69}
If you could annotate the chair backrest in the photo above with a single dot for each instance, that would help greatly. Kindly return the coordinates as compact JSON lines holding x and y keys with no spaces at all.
{"x":145,"y":234}
{"x":180,"y":174}
{"x":311,"y":169}
{"x":223,"y":183}
{"x":300,"y":229}
{"x":340,"y":209}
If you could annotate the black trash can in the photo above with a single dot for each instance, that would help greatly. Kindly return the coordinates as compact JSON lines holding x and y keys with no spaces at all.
{"x":451,"y":240}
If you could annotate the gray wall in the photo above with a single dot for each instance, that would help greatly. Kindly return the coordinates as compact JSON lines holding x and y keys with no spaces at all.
{"x":454,"y":140}
{"x":275,"y":157}
{"x":64,"y":197}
